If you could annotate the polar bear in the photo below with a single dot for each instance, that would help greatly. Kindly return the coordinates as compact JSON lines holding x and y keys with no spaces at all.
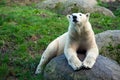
{"x":80,"y":36}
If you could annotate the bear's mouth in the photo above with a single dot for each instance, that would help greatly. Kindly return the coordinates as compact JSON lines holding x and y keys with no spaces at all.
{"x":75,"y":21}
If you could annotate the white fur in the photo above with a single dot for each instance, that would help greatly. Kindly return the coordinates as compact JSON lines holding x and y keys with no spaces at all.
{"x":80,"y":36}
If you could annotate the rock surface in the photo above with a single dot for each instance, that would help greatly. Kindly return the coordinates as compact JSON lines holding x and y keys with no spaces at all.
{"x":104,"y":68}
{"x":109,"y":0}
{"x":70,"y":6}
{"x":109,"y":37}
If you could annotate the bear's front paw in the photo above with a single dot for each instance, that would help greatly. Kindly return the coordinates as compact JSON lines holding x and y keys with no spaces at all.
{"x":88,"y":62}
{"x":76,"y":64}
{"x":38,"y":71}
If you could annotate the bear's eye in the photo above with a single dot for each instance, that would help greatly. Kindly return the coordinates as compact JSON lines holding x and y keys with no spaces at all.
{"x":80,"y":14}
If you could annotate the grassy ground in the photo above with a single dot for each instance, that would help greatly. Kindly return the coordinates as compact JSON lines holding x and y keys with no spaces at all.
{"x":26,"y":31}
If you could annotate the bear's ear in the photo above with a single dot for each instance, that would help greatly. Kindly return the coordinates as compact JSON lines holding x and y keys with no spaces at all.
{"x":68,"y":17}
{"x":87,"y":15}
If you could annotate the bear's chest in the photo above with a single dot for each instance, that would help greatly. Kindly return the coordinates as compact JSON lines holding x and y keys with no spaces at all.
{"x":83,"y":42}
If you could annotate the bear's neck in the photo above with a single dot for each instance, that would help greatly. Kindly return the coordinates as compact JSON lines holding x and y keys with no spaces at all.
{"x":83,"y":30}
{"x":77,"y":28}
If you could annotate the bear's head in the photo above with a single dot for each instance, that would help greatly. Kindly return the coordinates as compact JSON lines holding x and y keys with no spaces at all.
{"x":78,"y":18}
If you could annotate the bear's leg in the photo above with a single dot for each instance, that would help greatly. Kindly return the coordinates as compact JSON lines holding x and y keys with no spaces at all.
{"x":48,"y":54}
{"x":71,"y":55}
{"x":91,"y":56}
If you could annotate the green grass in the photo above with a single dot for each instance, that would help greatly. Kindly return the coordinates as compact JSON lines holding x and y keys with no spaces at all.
{"x":102,"y":23}
{"x":24,"y":34}
{"x":26,"y":31}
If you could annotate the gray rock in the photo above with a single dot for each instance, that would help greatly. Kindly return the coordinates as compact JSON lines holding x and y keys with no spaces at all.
{"x":70,"y":6}
{"x":109,"y":0}
{"x":109,"y":37}
{"x":104,"y":69}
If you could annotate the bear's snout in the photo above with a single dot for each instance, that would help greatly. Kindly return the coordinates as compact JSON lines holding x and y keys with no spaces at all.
{"x":74,"y":18}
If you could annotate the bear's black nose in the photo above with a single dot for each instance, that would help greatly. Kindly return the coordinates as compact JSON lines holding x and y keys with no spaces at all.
{"x":74,"y":18}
